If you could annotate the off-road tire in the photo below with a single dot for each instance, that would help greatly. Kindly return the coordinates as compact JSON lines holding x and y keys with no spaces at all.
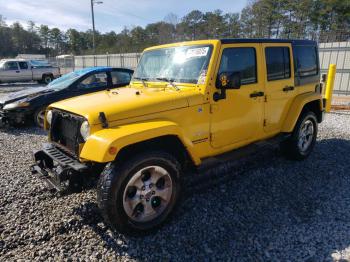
{"x":113,"y":181}
{"x":290,"y":147}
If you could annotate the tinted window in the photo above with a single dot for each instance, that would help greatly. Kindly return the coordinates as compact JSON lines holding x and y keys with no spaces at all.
{"x":94,"y":81}
{"x":11,"y":66}
{"x":23,"y":65}
{"x":241,"y":59}
{"x":306,"y":60}
{"x":277,"y":63}
{"x":119,"y":77}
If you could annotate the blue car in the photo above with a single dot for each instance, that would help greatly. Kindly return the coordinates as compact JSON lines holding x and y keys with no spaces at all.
{"x":29,"y":105}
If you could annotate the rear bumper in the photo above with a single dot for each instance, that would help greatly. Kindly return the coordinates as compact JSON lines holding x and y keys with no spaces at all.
{"x":56,"y":167}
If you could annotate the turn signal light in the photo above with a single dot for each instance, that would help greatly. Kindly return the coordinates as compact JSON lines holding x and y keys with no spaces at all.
{"x":112,"y":150}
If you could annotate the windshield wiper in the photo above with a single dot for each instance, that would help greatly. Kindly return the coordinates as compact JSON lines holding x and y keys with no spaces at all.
{"x":170,"y":81}
{"x":143,"y":80}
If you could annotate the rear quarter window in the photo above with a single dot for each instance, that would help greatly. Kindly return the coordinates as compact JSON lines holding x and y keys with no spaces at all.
{"x":306,"y":60}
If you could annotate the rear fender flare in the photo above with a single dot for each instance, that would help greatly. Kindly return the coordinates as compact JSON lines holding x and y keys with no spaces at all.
{"x":296,"y":108}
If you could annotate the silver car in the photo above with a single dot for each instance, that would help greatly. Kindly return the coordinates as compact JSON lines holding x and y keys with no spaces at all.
{"x":20,"y":70}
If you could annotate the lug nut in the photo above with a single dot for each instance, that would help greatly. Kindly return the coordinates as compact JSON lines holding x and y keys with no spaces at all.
{"x":143,"y":187}
{"x":150,"y":185}
{"x":141,"y":196}
{"x":153,"y":192}
{"x":147,"y":199}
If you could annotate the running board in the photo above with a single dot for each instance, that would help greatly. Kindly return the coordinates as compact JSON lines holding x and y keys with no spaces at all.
{"x":241,"y":152}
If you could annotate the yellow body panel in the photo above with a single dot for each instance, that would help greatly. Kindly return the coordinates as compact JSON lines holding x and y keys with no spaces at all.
{"x":125,"y":135}
{"x":204,"y":126}
{"x":277,"y":101}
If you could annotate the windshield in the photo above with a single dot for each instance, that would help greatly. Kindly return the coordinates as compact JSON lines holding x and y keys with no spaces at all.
{"x":182,"y":64}
{"x":64,"y":81}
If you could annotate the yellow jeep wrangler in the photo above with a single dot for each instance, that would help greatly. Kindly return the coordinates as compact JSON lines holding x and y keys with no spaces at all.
{"x":187,"y":103}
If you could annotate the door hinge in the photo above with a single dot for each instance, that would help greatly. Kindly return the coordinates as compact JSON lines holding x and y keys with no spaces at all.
{"x":265,"y":100}
{"x":213,"y":108}
{"x":211,"y":136}
{"x":264,"y":122}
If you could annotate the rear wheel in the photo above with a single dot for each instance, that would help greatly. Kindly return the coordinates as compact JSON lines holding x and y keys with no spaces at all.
{"x":39,"y":117}
{"x":140,"y":194}
{"x":47,"y":79}
{"x":303,"y":139}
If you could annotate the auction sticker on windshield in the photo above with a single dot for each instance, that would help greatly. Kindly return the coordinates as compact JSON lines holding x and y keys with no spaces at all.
{"x":197,"y":52}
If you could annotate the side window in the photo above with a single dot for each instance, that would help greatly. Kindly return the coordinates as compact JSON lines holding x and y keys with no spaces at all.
{"x":23,"y":65}
{"x":277,"y":63}
{"x":119,"y":77}
{"x":94,"y":81}
{"x":306,"y":61}
{"x":11,"y":66}
{"x":240,"y":59}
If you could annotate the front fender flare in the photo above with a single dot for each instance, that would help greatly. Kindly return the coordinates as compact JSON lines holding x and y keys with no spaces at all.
{"x":97,"y":146}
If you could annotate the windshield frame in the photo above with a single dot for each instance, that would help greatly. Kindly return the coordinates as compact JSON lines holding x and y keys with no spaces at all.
{"x":209,"y":57}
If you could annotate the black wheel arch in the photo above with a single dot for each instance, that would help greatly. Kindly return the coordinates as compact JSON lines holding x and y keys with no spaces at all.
{"x":167,"y":143}
{"x":314,"y":106}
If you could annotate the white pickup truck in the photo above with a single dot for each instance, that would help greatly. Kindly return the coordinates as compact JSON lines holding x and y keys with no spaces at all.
{"x":20,"y":70}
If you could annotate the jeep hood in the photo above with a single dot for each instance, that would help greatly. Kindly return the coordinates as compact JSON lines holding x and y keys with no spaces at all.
{"x":127,"y":102}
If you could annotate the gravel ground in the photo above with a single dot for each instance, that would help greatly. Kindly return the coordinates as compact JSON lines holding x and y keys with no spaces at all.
{"x":265,"y":208}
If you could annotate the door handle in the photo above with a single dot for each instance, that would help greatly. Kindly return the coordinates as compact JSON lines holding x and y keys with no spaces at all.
{"x":256,"y":94}
{"x":17,"y":71}
{"x":288,"y":88}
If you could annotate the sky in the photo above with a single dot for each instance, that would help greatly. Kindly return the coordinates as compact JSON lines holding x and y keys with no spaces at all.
{"x":112,"y":15}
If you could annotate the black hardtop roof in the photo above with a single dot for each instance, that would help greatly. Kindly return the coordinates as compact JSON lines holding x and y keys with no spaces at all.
{"x":267,"y":40}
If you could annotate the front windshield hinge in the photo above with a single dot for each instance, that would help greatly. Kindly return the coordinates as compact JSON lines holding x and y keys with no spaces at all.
{"x":103,"y":119}
{"x":170,"y":81}
{"x":143,"y":80}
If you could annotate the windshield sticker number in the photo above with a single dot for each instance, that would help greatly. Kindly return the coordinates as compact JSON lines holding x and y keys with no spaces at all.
{"x":197,"y":52}
{"x":202,"y":77}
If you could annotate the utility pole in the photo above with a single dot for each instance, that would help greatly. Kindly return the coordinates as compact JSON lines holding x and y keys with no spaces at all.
{"x":93,"y":2}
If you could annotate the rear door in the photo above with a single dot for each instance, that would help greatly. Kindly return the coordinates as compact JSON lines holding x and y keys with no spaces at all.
{"x":25,"y":71}
{"x":279,"y":84}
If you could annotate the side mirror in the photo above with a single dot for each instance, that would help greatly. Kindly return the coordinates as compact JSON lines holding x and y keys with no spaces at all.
{"x":229,"y":80}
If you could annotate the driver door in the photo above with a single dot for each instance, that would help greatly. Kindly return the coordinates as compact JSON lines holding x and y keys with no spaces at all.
{"x":238,"y":118}
{"x":93,"y":83}
{"x":10,"y":72}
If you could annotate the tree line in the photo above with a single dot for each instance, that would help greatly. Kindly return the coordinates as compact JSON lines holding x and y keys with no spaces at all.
{"x":321,"y":20}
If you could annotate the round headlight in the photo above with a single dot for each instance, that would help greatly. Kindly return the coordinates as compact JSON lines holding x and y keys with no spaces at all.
{"x":85,"y":130}
{"x":49,"y":117}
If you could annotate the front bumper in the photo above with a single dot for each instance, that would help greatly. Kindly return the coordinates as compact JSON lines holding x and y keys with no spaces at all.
{"x":13,"y":117}
{"x":56,"y":167}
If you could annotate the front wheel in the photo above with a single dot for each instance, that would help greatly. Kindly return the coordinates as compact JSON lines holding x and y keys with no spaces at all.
{"x":39,"y":117}
{"x":302,"y":141}
{"x":139,"y":194}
